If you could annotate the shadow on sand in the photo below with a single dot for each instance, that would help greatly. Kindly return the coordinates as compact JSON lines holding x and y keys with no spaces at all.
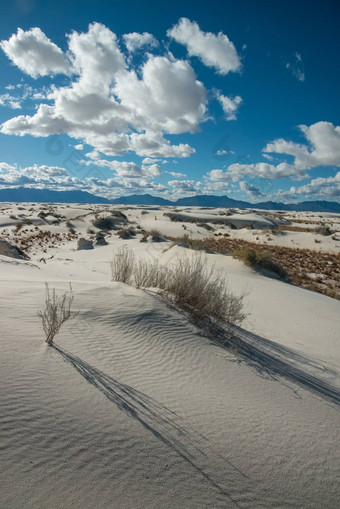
{"x":268,"y":357}
{"x":167,"y":426}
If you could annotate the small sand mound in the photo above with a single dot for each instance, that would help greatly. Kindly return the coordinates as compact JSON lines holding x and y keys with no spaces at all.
{"x":6,"y":249}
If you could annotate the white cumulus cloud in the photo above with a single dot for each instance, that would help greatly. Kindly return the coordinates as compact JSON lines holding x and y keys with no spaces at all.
{"x":230,"y":105}
{"x":236,"y":172}
{"x":215,"y":51}
{"x":323,"y":147}
{"x":250,"y":189}
{"x":135,"y":41}
{"x":325,"y":188}
{"x":113,"y":108}
{"x":35,"y":54}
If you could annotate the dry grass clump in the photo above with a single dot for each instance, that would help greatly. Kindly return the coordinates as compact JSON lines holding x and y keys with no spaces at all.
{"x":149,"y":275}
{"x":44,"y":238}
{"x":259,"y":260}
{"x":112,"y":222}
{"x":57,"y":311}
{"x":292,"y":228}
{"x":126,"y":233}
{"x":105,"y":223}
{"x":122,"y":265}
{"x":315,"y":270}
{"x":323,"y":230}
{"x":204,"y":293}
{"x":156,"y":235}
{"x":192,"y":286}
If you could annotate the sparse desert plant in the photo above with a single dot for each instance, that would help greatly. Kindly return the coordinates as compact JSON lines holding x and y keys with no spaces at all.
{"x":156,"y":235}
{"x":323,"y":230}
{"x":122,"y":265}
{"x":192,"y":286}
{"x":259,"y":260}
{"x":126,"y":233}
{"x":104,"y":223}
{"x":246,"y":254}
{"x":57,"y":311}
{"x":265,"y":261}
{"x":148,"y":274}
{"x":204,"y":293}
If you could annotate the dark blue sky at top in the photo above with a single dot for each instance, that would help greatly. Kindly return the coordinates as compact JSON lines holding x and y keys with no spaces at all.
{"x":267,"y":35}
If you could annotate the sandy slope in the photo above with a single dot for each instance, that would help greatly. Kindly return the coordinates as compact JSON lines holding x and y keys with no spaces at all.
{"x":134,"y":408}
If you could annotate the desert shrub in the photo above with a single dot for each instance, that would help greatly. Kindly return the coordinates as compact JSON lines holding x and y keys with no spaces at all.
{"x":126,"y":233}
{"x":203,"y":292}
{"x":192,"y":286}
{"x":156,"y":235}
{"x":105,"y":223}
{"x":57,"y":311}
{"x":258,"y":259}
{"x":247,"y":255}
{"x":265,"y":261}
{"x":323,"y":230}
{"x":188,"y":242}
{"x":122,"y":265}
{"x":149,"y":274}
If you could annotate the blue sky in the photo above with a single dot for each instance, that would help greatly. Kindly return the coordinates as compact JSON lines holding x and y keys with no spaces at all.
{"x":237,"y":98}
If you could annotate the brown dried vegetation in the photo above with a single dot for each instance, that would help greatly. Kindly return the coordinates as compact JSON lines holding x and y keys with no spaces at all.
{"x":315,"y":270}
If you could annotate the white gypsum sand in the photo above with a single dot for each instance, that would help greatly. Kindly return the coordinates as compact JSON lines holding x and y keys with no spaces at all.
{"x":134,"y":407}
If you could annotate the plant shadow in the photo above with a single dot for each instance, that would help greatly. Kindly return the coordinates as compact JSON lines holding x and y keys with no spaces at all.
{"x":165,"y":425}
{"x":274,"y":359}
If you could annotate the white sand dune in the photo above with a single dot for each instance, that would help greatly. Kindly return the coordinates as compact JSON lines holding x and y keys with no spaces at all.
{"x":135,"y":408}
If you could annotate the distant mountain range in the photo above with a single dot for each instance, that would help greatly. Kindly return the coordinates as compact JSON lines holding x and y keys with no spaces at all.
{"x":23,"y":194}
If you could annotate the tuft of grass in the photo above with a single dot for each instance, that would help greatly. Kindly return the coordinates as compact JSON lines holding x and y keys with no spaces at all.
{"x":122,"y":265}
{"x":105,"y":223}
{"x":203,"y":292}
{"x":156,"y":235}
{"x":200,"y":291}
{"x":126,"y":233}
{"x":323,"y":230}
{"x":259,"y":260}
